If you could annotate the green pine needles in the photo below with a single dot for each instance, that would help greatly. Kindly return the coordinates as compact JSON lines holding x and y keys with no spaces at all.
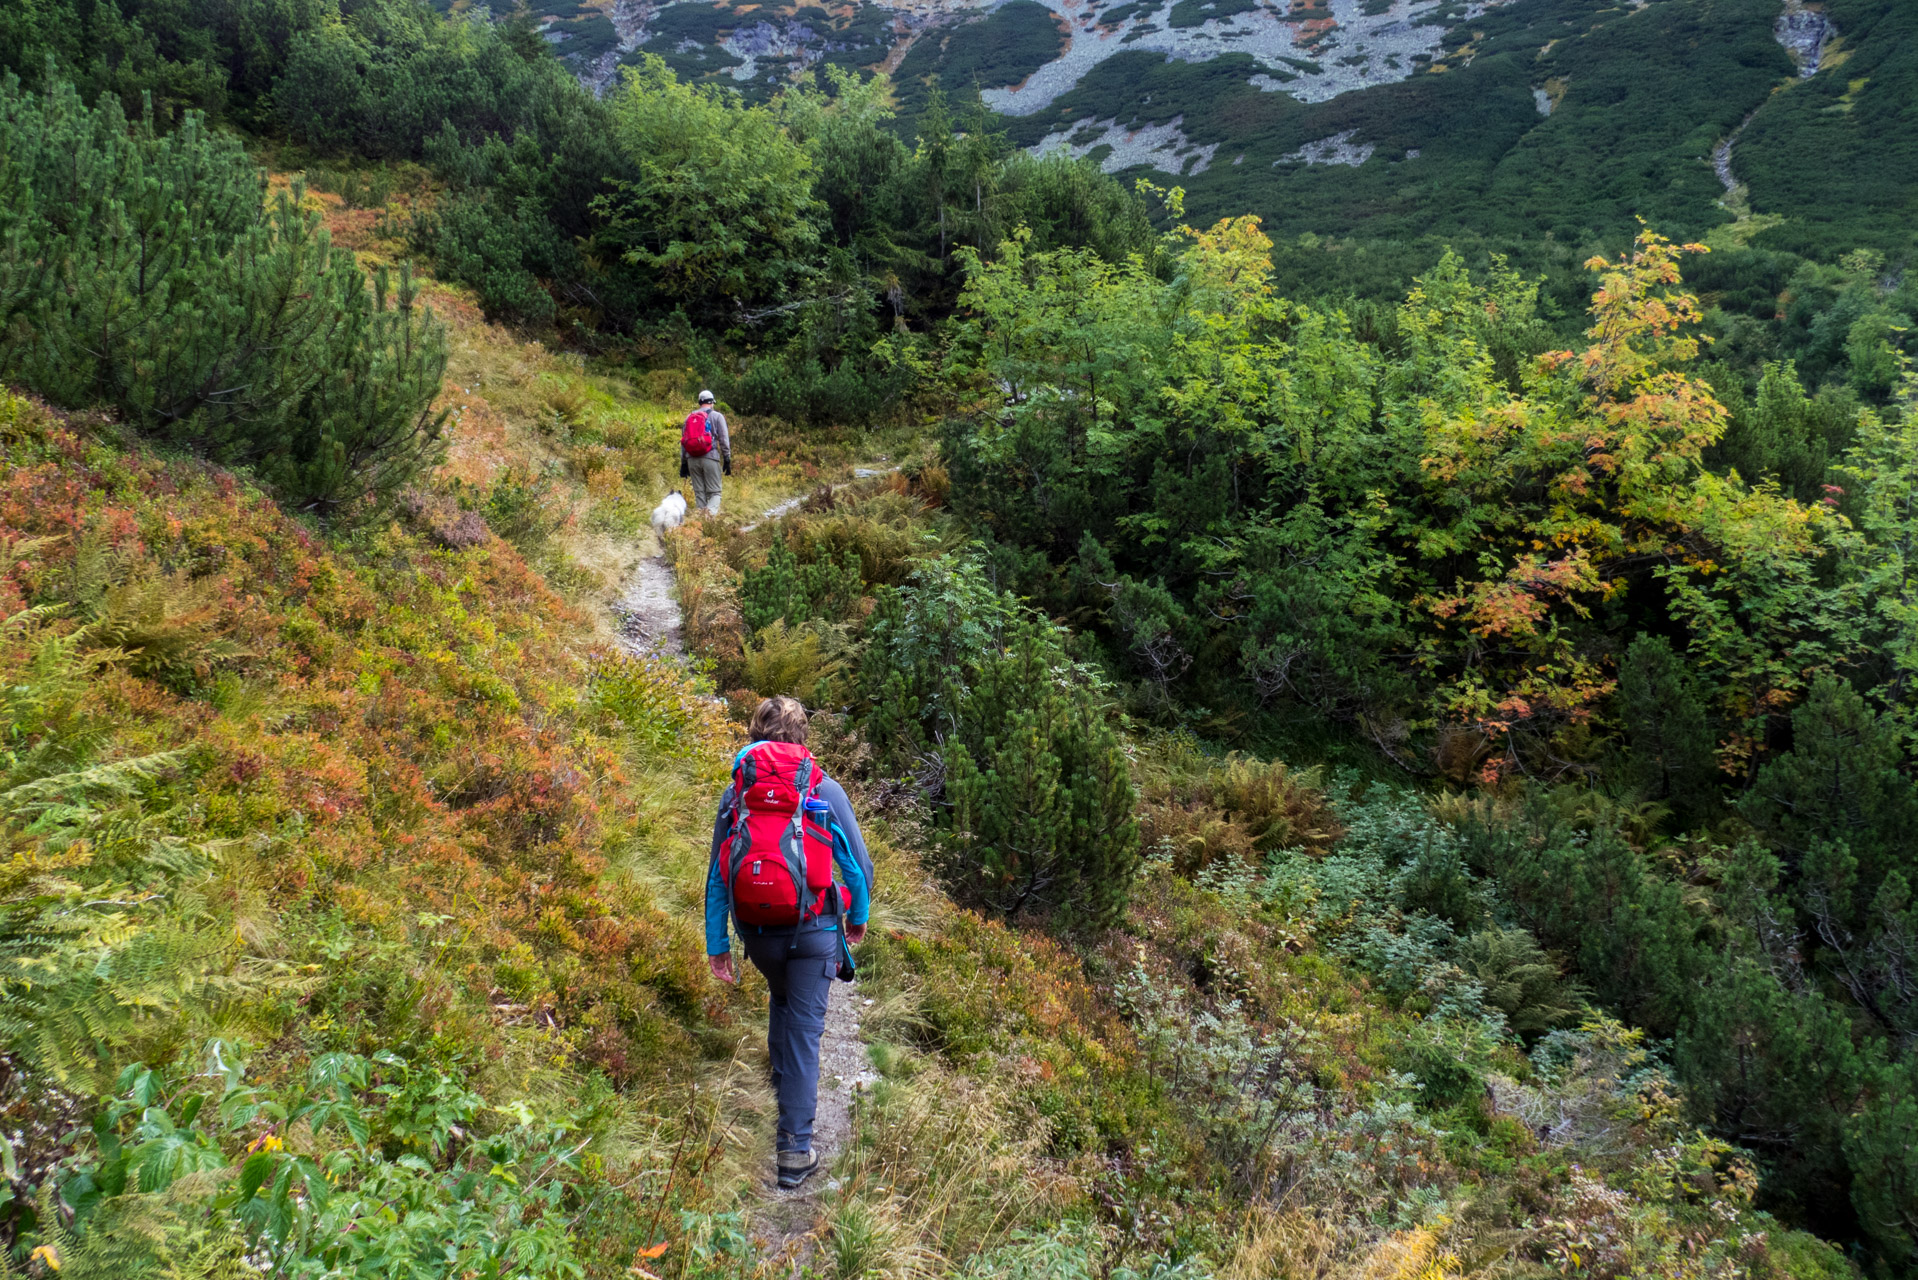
{"x":825,"y":589}
{"x":1014,"y":739}
{"x":153,"y":273}
{"x":1042,"y":800}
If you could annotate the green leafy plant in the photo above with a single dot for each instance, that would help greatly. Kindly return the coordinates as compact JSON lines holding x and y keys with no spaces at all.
{"x":720,"y":210}
{"x":654,"y":700}
{"x":1520,"y":980}
{"x":419,"y":1182}
{"x":524,"y":509}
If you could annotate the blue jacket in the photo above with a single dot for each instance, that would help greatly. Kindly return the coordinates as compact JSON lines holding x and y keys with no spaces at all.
{"x":854,"y":863}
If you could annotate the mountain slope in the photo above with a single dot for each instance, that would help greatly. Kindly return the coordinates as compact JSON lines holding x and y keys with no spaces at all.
{"x":1836,"y":153}
{"x":1394,"y":119}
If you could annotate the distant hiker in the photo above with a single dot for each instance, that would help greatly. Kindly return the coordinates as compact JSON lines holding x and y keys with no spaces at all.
{"x":705,"y":450}
{"x":782,"y":829}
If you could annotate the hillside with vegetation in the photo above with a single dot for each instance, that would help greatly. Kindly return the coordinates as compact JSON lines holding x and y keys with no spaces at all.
{"x":1382,"y":761}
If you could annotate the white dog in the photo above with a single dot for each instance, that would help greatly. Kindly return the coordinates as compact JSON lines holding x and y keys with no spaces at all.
{"x":669,"y":514}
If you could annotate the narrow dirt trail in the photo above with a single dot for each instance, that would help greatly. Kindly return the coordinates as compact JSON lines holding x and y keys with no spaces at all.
{"x":647,"y":618}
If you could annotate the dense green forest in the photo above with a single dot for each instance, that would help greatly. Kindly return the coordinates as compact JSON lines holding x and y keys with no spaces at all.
{"x":1398,"y":758}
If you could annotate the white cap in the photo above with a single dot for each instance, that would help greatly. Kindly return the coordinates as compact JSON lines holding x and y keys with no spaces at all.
{"x":704,"y":396}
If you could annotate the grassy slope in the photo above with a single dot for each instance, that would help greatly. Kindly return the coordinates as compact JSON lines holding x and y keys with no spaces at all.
{"x":1835,"y":153}
{"x":470,"y":860}
{"x":1641,"y":95}
{"x":1645,"y":93}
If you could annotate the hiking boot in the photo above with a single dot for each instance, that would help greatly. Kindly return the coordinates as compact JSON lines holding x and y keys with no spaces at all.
{"x":795,"y":1167}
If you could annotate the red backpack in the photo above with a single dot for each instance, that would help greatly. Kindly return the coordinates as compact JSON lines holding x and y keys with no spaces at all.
{"x":779,"y":858}
{"x":695,"y":438}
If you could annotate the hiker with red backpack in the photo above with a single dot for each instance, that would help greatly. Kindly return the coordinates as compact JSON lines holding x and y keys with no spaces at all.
{"x":705,"y":451}
{"x":782,"y":831}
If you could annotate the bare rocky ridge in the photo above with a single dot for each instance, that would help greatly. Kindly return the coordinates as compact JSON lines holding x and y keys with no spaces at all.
{"x":1311,"y":49}
{"x":1163,"y":146}
{"x":1804,"y":31}
{"x":629,"y":19}
{"x":1337,"y":149}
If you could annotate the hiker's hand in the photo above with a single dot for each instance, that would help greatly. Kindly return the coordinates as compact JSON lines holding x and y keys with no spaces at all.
{"x":722,"y":966}
{"x":855,"y":934}
{"x":726,"y":464}
{"x":685,"y":468}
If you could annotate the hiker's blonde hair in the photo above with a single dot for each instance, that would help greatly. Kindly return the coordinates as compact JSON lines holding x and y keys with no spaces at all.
{"x":779,"y":719}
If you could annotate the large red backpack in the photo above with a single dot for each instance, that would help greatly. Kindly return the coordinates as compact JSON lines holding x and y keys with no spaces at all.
{"x":696,"y":437}
{"x":779,"y":859}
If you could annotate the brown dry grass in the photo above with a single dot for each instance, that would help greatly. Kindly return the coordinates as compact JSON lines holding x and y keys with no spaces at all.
{"x":1204,"y":809}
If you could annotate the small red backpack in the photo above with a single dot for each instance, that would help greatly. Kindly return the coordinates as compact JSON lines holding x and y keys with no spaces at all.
{"x":695,"y":437}
{"x":779,"y":859}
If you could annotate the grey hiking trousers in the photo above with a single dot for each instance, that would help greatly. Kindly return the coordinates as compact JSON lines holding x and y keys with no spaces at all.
{"x":704,"y":473}
{"x":799,"y":968}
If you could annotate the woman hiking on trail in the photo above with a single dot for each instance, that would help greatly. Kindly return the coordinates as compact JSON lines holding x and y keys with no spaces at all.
{"x":782,"y":830}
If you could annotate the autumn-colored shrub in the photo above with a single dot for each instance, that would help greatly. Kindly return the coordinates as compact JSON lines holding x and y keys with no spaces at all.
{"x":931,"y":483}
{"x":708,"y":599}
{"x":1193,"y":834}
{"x":413,"y":781}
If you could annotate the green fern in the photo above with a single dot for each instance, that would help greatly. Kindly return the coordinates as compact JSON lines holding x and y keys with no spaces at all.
{"x":44,"y":725}
{"x":19,"y":547}
{"x":103,"y":935}
{"x":167,"y":1236}
{"x":1521,"y":981}
{"x":164,"y":628}
{"x":86,"y":968}
{"x":58,"y":793}
{"x":104,"y":938}
{"x":93,"y":569}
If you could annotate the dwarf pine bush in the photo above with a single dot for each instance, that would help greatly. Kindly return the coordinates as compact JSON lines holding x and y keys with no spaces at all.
{"x":1038,"y":808}
{"x":826,"y":589}
{"x":155,"y":274}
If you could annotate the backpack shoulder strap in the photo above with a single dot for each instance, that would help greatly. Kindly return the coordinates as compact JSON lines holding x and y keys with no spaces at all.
{"x":732,"y":850}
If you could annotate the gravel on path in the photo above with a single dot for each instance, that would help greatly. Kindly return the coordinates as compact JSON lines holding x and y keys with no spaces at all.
{"x":647,"y":614}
